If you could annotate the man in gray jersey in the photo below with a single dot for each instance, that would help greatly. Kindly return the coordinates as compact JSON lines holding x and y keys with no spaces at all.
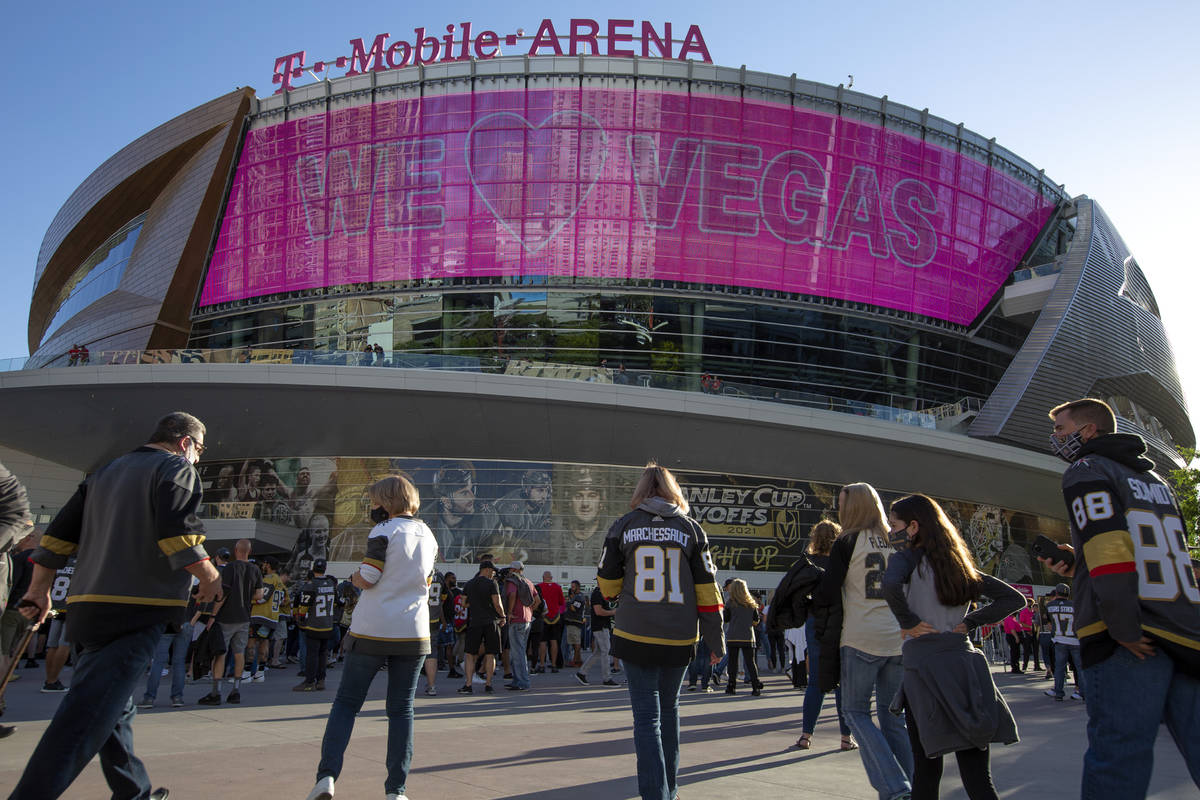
{"x":1137,"y":605}
{"x":133,"y":525}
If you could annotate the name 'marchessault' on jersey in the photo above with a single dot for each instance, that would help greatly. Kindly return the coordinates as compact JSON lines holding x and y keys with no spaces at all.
{"x":656,"y":561}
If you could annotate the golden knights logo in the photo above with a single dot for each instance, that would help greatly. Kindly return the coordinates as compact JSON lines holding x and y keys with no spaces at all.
{"x":788,"y":531}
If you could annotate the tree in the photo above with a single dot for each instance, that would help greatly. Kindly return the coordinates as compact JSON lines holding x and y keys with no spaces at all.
{"x":1186,"y":483}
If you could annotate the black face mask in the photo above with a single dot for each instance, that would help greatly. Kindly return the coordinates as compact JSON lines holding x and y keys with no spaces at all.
{"x":379,"y":515}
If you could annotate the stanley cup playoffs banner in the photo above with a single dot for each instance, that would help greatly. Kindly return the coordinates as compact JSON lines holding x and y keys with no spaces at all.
{"x":619,"y":184}
{"x":558,"y":514}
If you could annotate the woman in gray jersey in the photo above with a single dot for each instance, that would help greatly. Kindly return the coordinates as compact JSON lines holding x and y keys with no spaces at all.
{"x":929,"y":586}
{"x":870,"y":639}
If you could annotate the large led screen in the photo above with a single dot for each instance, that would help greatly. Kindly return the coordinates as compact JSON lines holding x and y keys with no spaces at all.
{"x":607,"y":183}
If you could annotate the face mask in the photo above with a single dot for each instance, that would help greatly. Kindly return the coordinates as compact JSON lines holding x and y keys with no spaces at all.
{"x":1067,"y":449}
{"x":379,"y":515}
{"x":898,"y":539}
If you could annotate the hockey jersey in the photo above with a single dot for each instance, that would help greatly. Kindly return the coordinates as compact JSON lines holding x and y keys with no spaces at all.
{"x":1133,"y":575}
{"x":274,"y":598}
{"x":657,"y":562}
{"x":314,"y":606}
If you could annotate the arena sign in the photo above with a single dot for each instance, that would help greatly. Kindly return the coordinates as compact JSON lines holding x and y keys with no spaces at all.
{"x":620,"y":184}
{"x":583,"y":38}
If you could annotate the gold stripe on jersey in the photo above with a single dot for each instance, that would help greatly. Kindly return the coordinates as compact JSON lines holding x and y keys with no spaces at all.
{"x":177,"y":544}
{"x":1173,"y":637}
{"x":1110,"y":547}
{"x":654,"y":639}
{"x":610,"y":587}
{"x":376,"y":563}
{"x":123,"y":600}
{"x":59,"y":547}
{"x":707,"y":594}
{"x":1091,"y":630}
{"x":388,"y":639}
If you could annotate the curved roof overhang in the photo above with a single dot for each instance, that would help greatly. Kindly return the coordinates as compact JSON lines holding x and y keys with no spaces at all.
{"x":84,"y":416}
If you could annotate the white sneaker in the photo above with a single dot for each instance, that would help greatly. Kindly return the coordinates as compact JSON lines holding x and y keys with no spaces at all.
{"x":394,"y":796}
{"x":1076,"y":696}
{"x":259,"y":677}
{"x":323,"y":790}
{"x":245,"y":674}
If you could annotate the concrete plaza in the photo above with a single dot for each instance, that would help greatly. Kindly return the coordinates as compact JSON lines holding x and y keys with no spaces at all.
{"x":560,"y":741}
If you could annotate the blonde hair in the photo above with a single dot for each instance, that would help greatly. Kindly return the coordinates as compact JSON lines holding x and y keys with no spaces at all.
{"x":862,"y":510}
{"x":739,"y":593}
{"x":820,"y":538}
{"x":658,"y":481}
{"x":396,"y":495}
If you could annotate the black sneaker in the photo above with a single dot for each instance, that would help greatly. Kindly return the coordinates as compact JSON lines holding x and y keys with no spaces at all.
{"x":159,"y":794}
{"x":56,"y":688}
{"x":487,"y":689}
{"x":466,"y":690}
{"x":453,"y":674}
{"x":320,"y":686}
{"x":144,"y":703}
{"x":210,"y":699}
{"x":7,"y":730}
{"x":691,"y":687}
{"x":583,"y":681}
{"x":235,"y":697}
{"x":610,"y":682}
{"x":304,"y":687}
{"x":177,"y":702}
{"x":31,"y":663}
{"x":512,"y":687}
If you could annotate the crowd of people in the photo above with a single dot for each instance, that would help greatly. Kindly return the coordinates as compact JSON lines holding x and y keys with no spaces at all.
{"x":887,"y":608}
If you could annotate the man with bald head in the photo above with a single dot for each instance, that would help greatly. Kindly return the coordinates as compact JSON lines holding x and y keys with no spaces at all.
{"x":241,"y":587}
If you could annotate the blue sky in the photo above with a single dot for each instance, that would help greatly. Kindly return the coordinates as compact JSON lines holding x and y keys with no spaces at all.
{"x":1101,"y":95}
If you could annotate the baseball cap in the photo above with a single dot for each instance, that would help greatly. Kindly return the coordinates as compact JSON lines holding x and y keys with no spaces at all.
{"x":319,"y":565}
{"x":1062,"y":590}
{"x":224,"y":553}
{"x":486,"y":565}
{"x":516,"y":565}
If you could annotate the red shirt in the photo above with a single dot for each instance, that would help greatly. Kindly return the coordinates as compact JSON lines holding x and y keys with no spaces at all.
{"x":552,"y":595}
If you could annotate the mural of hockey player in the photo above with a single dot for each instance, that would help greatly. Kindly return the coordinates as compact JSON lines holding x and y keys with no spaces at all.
{"x":460,"y":520}
{"x":991,"y":542}
{"x":583,"y":516}
{"x":524,"y":520}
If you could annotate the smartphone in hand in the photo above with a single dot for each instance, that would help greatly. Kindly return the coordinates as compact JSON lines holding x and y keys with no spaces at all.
{"x":1045,"y":547}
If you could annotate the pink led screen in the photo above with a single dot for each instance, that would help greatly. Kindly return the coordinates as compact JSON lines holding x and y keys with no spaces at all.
{"x":619,"y":184}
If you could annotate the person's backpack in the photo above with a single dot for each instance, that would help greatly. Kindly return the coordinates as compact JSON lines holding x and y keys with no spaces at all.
{"x":790,"y":605}
{"x":526,"y":594}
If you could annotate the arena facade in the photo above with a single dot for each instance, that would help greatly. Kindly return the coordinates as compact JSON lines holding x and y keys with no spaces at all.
{"x":517,"y":278}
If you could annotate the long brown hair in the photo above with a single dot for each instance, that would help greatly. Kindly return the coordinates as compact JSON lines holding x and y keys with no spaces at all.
{"x":954,"y":573}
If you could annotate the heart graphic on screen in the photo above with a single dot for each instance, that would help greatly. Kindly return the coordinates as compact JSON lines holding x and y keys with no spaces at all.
{"x":534,"y":178}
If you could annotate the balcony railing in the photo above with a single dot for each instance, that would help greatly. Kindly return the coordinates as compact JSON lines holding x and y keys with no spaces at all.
{"x":898,"y":408}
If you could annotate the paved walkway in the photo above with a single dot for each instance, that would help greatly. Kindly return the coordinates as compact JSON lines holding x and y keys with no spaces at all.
{"x":560,"y":741}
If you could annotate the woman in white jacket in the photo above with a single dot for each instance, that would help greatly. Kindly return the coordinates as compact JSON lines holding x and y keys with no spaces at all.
{"x":390,"y":628}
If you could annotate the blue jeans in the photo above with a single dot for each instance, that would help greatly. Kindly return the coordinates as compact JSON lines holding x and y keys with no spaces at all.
{"x":518,"y":642}
{"x":1127,"y":699}
{"x":359,"y":669}
{"x":814,"y":698}
{"x":886,"y":751}
{"x":178,"y":657}
{"x":1061,"y":653}
{"x":95,"y":716}
{"x":654,"y":698}
{"x":701,"y":666}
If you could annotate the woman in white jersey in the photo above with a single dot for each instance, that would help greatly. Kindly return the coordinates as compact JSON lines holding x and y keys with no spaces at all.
{"x":390,"y":629}
{"x":870,"y":639}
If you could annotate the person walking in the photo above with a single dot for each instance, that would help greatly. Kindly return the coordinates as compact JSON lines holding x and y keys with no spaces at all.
{"x":1136,"y":602}
{"x":389,"y":629}
{"x":743,"y":615}
{"x":869,"y":641}
{"x":657,"y":562}
{"x":820,"y":542}
{"x":929,"y":587}
{"x":133,"y":527}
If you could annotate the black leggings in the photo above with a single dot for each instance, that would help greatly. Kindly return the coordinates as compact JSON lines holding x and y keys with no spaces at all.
{"x":974,"y":766}
{"x":747,"y":661}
